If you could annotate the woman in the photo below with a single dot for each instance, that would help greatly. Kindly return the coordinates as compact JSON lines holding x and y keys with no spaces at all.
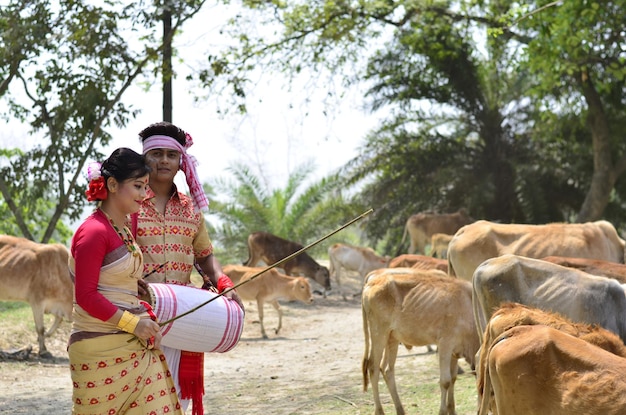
{"x":115,"y":363}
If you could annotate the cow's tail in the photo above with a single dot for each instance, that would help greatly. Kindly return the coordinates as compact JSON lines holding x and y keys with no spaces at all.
{"x":406,"y":230}
{"x":366,"y":360}
{"x":404,"y":233}
{"x":247,"y":262}
{"x":451,"y":271}
{"x":484,"y":380}
{"x":485,"y":398}
{"x":450,"y":256}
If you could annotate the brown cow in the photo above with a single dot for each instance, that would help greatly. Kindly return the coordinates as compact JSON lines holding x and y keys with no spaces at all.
{"x":538,"y":370}
{"x":416,"y":308}
{"x":263,"y":246}
{"x":423,"y":225}
{"x":270,"y":287}
{"x":39,"y":275}
{"x":418,"y":262}
{"x":512,"y":314}
{"x":481,"y":240}
{"x":592,"y":266}
{"x":439,"y":245}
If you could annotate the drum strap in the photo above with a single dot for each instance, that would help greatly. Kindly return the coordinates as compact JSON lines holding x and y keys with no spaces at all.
{"x":191,"y":379}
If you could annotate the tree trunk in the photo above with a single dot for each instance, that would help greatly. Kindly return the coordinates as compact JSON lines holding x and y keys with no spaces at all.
{"x":604,"y":175}
{"x":167,"y":63}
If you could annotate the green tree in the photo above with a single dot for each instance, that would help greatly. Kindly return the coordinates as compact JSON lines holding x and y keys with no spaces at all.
{"x":298,"y":212}
{"x":576,"y":53}
{"x":64,"y":68}
{"x":460,"y":134}
{"x":484,"y":111}
{"x":43,"y":209}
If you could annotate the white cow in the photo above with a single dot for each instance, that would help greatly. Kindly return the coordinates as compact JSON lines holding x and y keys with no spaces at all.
{"x":353,"y":258}
{"x":573,"y":293}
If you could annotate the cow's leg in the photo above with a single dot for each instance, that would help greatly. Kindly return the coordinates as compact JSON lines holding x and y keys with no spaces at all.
{"x":411,"y":249}
{"x":374,"y":372}
{"x":39,"y":328}
{"x":338,"y":280}
{"x":390,"y":355}
{"x":420,"y":244}
{"x":259,"y":304}
{"x":448,"y":367}
{"x":55,"y":325}
{"x":279,"y":310}
{"x":454,"y":370}
{"x":333,"y":269}
{"x":378,"y":341}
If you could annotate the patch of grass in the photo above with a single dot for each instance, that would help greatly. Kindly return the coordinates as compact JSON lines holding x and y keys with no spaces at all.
{"x":17,"y":327}
{"x":423,"y":398}
{"x":15,"y":312}
{"x":417,"y":379}
{"x":8,"y":306}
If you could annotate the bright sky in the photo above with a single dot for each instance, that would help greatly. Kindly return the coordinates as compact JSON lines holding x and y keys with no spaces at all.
{"x":273,"y":134}
{"x":280,"y":132}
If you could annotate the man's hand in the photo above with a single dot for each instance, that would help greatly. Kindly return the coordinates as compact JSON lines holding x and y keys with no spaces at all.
{"x":142,"y":288}
{"x":234,"y":296}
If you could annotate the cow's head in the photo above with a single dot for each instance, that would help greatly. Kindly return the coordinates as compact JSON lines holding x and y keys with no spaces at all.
{"x":302,"y":290}
{"x":322,"y":276}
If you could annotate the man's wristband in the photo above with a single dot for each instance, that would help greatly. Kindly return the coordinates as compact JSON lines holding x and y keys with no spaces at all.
{"x":224,"y":283}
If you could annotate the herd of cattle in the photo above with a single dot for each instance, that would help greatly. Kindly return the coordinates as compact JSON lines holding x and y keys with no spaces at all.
{"x":538,"y":310}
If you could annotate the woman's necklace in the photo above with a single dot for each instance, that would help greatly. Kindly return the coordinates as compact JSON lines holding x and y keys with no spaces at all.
{"x":127,"y":237}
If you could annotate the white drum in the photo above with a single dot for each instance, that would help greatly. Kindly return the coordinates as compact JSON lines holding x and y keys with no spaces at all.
{"x":214,"y":327}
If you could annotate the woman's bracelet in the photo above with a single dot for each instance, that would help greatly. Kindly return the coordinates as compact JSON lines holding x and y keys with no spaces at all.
{"x":128,"y":322}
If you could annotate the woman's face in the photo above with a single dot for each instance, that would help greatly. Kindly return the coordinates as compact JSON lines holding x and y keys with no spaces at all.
{"x":131,"y":193}
{"x":164,"y":163}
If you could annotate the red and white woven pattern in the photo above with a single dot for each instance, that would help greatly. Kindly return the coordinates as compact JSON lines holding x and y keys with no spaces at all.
{"x":215,"y":327}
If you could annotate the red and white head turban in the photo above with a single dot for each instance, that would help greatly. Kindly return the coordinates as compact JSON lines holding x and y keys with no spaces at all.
{"x":188,"y":165}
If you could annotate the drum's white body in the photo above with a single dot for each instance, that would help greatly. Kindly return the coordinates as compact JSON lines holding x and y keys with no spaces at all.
{"x":214,"y":327}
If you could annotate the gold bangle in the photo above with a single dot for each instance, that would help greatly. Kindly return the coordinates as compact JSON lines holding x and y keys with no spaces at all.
{"x":128,"y":322}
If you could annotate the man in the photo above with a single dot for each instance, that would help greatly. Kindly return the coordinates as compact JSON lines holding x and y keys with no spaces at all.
{"x":171,"y":231}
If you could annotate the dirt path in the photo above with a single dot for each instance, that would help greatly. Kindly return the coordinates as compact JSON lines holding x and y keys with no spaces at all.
{"x":312,"y":367}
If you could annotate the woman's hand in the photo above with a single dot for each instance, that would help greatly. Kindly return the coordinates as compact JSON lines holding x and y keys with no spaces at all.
{"x":146,"y":328}
{"x":157,"y":340}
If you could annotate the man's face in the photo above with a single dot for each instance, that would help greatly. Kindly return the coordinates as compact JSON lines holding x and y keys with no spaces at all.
{"x":164,"y":163}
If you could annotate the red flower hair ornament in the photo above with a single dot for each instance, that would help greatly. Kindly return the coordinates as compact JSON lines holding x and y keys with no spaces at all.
{"x":97,"y":189}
